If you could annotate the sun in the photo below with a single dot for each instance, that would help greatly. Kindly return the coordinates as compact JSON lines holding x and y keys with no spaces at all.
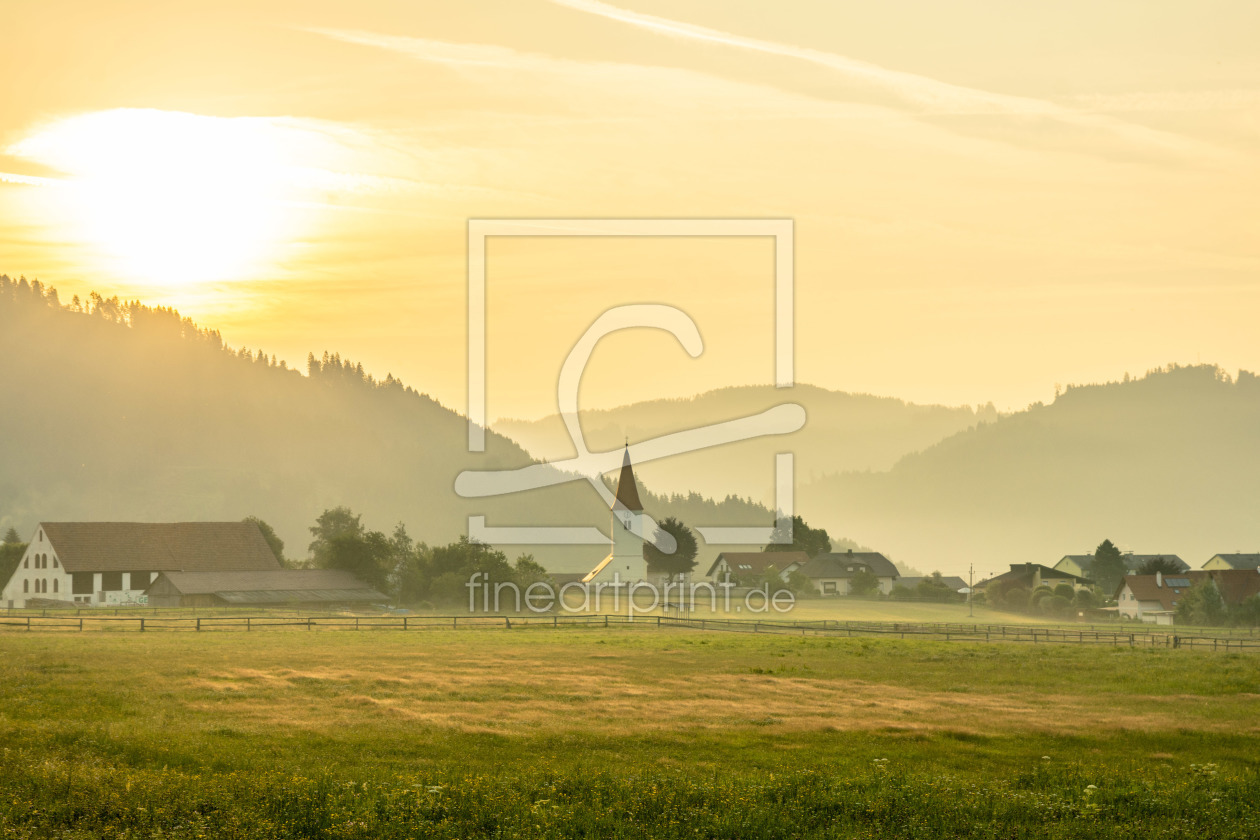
{"x":170,"y":198}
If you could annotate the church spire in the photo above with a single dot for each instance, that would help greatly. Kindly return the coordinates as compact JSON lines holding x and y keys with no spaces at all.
{"x":627,"y":491}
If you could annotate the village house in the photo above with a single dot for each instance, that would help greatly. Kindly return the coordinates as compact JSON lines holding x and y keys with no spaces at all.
{"x":1155,"y":598}
{"x":114,"y":563}
{"x":745,"y":567}
{"x":1082,"y":565}
{"x":831,"y":573}
{"x":1233,"y":561}
{"x":1030,"y":576}
{"x":287,"y":587}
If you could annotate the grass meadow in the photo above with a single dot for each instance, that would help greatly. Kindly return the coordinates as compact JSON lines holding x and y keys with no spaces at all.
{"x":627,"y":732}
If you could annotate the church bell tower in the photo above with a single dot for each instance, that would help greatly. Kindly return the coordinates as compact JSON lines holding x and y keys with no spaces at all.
{"x":626,"y":559}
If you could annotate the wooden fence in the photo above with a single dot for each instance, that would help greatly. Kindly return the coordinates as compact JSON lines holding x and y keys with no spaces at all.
{"x":827,"y":628}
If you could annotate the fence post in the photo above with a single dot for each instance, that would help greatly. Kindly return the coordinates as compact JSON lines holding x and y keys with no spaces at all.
{"x":404,"y":622}
{"x":198,"y":625}
{"x":308,"y":622}
{"x":142,"y":625}
{"x":28,"y":624}
{"x":80,"y":624}
{"x":658,"y":621}
{"x":246,"y":624}
{"x":605,"y":621}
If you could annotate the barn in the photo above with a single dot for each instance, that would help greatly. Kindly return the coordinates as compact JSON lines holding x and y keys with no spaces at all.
{"x":113,"y":563}
{"x":283,"y":587}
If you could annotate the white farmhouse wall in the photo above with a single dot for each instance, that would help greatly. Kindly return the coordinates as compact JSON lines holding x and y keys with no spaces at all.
{"x":40,"y":575}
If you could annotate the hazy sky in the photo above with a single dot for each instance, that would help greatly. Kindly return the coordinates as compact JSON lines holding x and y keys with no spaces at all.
{"x":990,"y":197}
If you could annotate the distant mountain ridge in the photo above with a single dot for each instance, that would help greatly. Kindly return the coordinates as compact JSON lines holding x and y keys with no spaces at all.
{"x":843,"y":432}
{"x":1168,"y":463}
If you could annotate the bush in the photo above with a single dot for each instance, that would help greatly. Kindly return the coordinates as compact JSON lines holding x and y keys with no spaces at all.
{"x":1015,"y":598}
{"x":1055,"y":605}
{"x":1085,"y":599}
{"x":1034,"y":600}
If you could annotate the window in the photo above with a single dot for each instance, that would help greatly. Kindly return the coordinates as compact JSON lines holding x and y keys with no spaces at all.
{"x":55,"y":566}
{"x":140,"y":580}
{"x":81,"y":583}
{"x":111,"y":582}
{"x":56,"y":584}
{"x":829,"y":587}
{"x":26,"y":586}
{"x":26,"y":564}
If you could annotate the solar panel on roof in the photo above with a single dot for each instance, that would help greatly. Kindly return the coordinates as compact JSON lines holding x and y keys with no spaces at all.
{"x":1177,"y":581}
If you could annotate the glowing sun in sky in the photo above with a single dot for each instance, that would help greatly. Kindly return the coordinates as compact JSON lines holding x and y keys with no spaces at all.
{"x":170,"y":198}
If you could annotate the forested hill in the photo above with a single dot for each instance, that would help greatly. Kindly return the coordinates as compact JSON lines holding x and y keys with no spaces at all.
{"x":844,"y":432}
{"x":121,"y":411}
{"x":1166,"y":463}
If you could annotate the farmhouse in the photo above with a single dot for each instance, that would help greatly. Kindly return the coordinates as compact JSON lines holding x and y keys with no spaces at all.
{"x":1233,"y":561}
{"x":115,"y":562}
{"x":1082,"y":565}
{"x":293,"y":587}
{"x":831,"y":573}
{"x":748,"y":566}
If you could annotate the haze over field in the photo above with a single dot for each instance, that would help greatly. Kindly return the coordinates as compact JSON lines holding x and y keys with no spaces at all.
{"x":131,"y":413}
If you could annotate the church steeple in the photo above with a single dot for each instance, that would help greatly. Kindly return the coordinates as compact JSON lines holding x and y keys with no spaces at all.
{"x":627,"y":491}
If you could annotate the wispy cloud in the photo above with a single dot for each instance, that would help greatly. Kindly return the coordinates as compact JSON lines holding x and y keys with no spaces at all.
{"x":660,"y":90}
{"x":928,"y":96}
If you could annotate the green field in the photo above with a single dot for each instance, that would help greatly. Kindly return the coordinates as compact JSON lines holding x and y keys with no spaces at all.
{"x":629,"y":732}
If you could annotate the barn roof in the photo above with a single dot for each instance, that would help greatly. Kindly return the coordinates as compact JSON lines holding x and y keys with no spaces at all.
{"x":160,"y":546}
{"x":277,"y":586}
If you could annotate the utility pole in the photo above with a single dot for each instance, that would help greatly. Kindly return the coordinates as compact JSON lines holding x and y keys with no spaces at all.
{"x":971,"y":590}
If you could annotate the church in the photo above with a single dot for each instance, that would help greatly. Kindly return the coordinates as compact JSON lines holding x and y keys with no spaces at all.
{"x":625,"y":563}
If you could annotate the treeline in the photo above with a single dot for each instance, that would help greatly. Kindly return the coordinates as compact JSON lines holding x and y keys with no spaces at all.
{"x":410,"y":572}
